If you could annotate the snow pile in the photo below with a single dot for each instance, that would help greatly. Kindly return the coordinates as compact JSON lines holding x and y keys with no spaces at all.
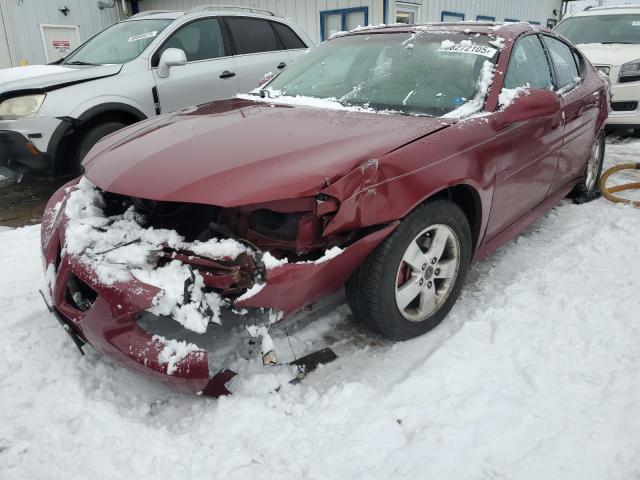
{"x":271,"y":262}
{"x":174,"y":351}
{"x":498,"y":42}
{"x":533,"y":375}
{"x":119,"y":249}
{"x":447,"y":44}
{"x":508,"y":95}
{"x":276,"y":98}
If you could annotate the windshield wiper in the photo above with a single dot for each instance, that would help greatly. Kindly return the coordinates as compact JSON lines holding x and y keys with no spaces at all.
{"x":78,"y":62}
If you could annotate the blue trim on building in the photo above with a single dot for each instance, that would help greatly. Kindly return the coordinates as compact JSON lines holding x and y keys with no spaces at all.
{"x":343,"y":20}
{"x":485,"y":18}
{"x":451,"y":14}
{"x":534,"y":22}
{"x":514,"y":20}
{"x":385,"y":11}
{"x":135,"y":8}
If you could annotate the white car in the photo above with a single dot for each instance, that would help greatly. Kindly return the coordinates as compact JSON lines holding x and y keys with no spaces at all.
{"x":152,"y":63}
{"x":610,"y":38}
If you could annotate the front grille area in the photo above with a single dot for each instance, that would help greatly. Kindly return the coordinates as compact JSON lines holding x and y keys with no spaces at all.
{"x":624,"y":106}
{"x":603,"y":68}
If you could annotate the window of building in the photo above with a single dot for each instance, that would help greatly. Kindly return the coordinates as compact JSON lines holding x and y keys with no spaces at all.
{"x":252,"y":35}
{"x":485,"y":18}
{"x":334,"y":21}
{"x":512,"y":20}
{"x":446,"y":16}
{"x":407,"y":13}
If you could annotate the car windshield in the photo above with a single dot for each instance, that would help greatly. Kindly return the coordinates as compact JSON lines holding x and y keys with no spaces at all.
{"x":416,"y":74}
{"x":602,"y":29}
{"x":119,"y":43}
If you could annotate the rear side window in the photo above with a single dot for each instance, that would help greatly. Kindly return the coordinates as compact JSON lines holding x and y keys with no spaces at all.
{"x":564,"y":61}
{"x":528,"y":65}
{"x":252,"y":35}
{"x":289,"y":38}
{"x":200,"y":40}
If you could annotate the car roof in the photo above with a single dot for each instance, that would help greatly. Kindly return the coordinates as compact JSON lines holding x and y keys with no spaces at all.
{"x":503,"y":29}
{"x":205,"y":11}
{"x":612,"y":10}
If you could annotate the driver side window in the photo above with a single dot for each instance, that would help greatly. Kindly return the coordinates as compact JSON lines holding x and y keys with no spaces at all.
{"x":528,"y":65}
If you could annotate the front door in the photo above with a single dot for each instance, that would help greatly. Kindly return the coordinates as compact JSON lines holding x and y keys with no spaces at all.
{"x":526,"y":152}
{"x":210,"y":73}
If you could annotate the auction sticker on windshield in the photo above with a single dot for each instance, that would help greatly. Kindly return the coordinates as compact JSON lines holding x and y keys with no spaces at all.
{"x":467,"y":47}
{"x":142,"y":36}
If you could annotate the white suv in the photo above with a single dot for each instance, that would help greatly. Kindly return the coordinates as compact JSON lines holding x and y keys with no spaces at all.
{"x":154,"y":62}
{"x":610,"y":38}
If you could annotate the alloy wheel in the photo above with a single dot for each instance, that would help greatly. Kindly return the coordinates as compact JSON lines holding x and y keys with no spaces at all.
{"x":593,"y":167}
{"x":427,"y":272}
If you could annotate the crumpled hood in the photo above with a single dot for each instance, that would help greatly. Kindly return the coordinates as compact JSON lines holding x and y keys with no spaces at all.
{"x":239,"y":152}
{"x":46,"y":77}
{"x":609,"y":54}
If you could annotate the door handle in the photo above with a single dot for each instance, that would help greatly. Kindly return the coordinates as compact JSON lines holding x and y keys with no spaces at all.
{"x":227,"y":74}
{"x":282,"y":65}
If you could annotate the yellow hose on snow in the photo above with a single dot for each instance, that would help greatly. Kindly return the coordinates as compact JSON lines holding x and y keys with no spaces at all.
{"x":608,"y":193}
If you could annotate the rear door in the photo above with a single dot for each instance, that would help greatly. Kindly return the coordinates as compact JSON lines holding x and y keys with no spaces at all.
{"x":580,"y":109}
{"x":289,"y":40}
{"x":526,"y":152}
{"x":257,"y":50}
{"x":210,"y":72}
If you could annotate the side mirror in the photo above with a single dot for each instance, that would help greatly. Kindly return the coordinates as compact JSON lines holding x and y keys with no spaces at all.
{"x":171,"y":57}
{"x":528,"y":104}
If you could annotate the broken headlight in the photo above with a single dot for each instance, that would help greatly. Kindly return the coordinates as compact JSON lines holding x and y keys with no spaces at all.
{"x":274,"y":224}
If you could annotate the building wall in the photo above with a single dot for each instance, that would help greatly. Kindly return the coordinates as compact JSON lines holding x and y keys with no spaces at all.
{"x":22,"y":18}
{"x":307,"y":12}
{"x":5,"y":56}
{"x":523,"y":10}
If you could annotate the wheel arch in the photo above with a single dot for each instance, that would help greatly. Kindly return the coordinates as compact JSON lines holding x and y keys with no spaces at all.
{"x":467,"y":197}
{"x":70,"y":132}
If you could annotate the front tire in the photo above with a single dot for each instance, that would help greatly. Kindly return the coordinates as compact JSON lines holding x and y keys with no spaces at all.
{"x":408,"y":285}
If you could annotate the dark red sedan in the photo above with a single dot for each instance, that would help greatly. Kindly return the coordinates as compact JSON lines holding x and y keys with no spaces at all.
{"x":387,"y":159}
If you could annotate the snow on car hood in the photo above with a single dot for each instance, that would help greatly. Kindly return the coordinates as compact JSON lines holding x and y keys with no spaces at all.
{"x":609,"y":54}
{"x":45,"y":77}
{"x":239,"y":152}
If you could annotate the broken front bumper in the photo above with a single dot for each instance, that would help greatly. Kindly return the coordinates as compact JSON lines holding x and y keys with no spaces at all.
{"x":110,"y":323}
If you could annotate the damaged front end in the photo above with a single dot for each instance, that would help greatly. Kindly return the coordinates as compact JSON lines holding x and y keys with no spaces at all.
{"x":113,"y":260}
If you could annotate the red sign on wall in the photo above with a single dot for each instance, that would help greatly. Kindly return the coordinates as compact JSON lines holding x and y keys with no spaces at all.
{"x":61,"y":44}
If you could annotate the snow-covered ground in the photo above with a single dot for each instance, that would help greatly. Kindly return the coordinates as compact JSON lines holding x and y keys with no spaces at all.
{"x":535,"y":374}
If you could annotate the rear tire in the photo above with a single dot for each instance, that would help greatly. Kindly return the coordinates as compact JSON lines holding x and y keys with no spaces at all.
{"x":90,"y":138}
{"x":588,"y":188}
{"x":436,"y":239}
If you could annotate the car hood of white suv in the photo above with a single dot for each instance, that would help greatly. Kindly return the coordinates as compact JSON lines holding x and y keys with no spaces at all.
{"x":615,"y":54}
{"x":47,"y":77}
